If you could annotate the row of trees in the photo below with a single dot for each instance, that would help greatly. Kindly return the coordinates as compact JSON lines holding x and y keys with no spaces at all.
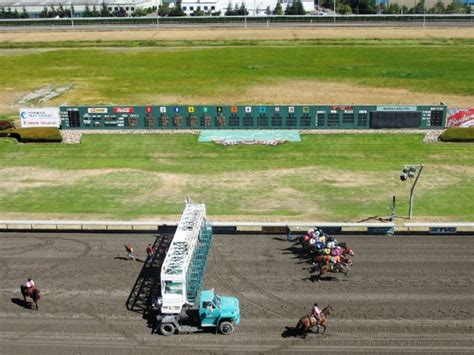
{"x":344,"y":7}
{"x":366,"y":7}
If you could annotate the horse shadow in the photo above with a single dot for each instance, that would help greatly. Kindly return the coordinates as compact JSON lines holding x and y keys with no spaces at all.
{"x":295,"y":333}
{"x":21,"y":303}
{"x":125,"y":258}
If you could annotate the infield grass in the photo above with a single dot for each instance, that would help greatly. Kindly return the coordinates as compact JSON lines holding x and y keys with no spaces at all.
{"x":325,"y":177}
{"x":131,"y":76}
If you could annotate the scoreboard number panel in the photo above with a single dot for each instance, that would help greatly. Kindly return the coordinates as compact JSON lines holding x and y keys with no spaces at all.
{"x":253,"y":117}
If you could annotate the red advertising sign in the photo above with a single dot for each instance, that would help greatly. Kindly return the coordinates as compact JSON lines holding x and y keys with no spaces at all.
{"x":148,"y":109}
{"x":123,"y":109}
{"x":461,"y":118}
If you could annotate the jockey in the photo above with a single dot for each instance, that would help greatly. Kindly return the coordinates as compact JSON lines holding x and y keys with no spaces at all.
{"x":30,"y":283}
{"x":315,"y":312}
{"x":129,"y":249}
{"x":150,"y":250}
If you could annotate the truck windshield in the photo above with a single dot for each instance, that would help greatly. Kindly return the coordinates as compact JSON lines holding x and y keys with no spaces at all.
{"x":217,"y":301}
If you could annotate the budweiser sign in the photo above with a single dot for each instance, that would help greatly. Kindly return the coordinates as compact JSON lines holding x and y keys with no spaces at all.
{"x":461,"y":118}
{"x":123,"y":109}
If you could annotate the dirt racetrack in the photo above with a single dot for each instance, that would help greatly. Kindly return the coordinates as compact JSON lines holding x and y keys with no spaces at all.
{"x":405,"y":294}
{"x":216,"y":34}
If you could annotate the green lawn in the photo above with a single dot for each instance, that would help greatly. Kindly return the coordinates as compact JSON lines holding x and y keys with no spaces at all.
{"x":325,"y":177}
{"x":346,"y":177}
{"x":129,"y":75}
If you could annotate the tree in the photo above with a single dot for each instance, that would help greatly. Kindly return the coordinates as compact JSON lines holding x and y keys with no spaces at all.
{"x":120,"y":12}
{"x":177,"y":10}
{"x":393,"y":9}
{"x":87,"y":12}
{"x":242,"y":10}
{"x":163,"y":10}
{"x":44,"y":13}
{"x":198,"y":12}
{"x":60,"y":11}
{"x":438,"y":8}
{"x":52,"y":12}
{"x":296,"y":8}
{"x":343,"y":9}
{"x":24,"y":14}
{"x":95,"y":12}
{"x":104,"y":11}
{"x":229,"y":11}
{"x":278,"y":9}
{"x":456,"y":7}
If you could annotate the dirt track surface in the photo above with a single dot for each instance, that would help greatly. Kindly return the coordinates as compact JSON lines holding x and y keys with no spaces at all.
{"x":405,"y":294}
{"x":240,"y":34}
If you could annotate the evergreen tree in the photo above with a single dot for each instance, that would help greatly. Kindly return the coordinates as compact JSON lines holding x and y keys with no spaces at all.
{"x":299,"y":9}
{"x":229,"y":11}
{"x":60,"y":11}
{"x":44,"y":13}
{"x":268,"y":11}
{"x":104,"y":11}
{"x":95,"y":12}
{"x":24,"y":14}
{"x":242,"y":10}
{"x":278,"y":10}
{"x":87,"y":11}
{"x":16,"y":14}
{"x":52,"y":12}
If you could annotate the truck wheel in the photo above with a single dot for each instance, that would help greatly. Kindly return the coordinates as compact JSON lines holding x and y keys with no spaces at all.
{"x":226,"y":328}
{"x":167,"y":329}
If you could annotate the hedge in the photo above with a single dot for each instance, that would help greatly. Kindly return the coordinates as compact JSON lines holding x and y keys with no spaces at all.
{"x":30,"y":135}
{"x":458,"y":134}
{"x":4,"y":125}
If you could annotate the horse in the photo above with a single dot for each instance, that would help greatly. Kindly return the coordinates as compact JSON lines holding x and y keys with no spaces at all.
{"x":306,"y":322}
{"x":342,"y":267}
{"x":32,"y":292}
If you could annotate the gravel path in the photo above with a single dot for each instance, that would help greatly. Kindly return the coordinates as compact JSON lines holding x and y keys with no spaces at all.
{"x":405,"y":293}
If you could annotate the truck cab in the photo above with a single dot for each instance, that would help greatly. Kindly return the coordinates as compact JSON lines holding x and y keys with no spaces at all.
{"x":221,"y":312}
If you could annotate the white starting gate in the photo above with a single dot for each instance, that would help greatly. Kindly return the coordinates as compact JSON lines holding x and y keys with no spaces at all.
{"x":176,"y":265}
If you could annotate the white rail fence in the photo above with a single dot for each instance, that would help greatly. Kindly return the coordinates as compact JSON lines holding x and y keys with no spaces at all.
{"x":270,"y":227}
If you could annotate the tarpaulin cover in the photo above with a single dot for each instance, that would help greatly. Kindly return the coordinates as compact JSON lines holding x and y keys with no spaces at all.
{"x":248,"y":136}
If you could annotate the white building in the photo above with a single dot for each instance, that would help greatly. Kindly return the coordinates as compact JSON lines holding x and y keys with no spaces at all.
{"x":254,"y":7}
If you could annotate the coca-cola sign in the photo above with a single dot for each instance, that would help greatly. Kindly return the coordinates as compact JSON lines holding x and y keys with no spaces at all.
{"x":123,"y":109}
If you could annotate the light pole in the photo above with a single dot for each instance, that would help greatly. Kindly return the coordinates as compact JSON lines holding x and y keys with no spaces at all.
{"x":409,"y":171}
{"x":334,"y":13}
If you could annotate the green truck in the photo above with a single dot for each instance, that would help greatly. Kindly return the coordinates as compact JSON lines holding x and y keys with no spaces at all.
{"x":221,"y":313}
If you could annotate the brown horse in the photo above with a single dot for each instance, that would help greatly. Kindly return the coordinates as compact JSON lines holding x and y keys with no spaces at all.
{"x":307,"y":322}
{"x":32,"y":292}
{"x":342,"y":267}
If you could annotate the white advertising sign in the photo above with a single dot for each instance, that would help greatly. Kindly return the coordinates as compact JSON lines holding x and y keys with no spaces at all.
{"x":39,"y":117}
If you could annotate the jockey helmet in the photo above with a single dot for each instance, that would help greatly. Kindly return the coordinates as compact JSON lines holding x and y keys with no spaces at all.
{"x":29,"y":279}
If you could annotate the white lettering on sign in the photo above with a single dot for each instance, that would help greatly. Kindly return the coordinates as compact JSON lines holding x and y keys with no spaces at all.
{"x":39,"y":117}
